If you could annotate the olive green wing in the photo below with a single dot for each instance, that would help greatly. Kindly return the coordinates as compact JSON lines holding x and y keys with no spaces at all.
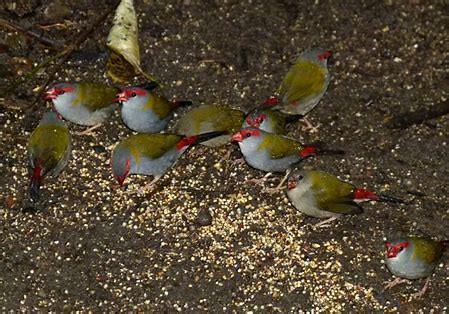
{"x":49,"y":145}
{"x":151,"y":146}
{"x":95,"y":96}
{"x":428,"y":250}
{"x":305,"y":78}
{"x":210,"y":118}
{"x":334,"y":195}
{"x":279,"y":147}
{"x":159,"y":104}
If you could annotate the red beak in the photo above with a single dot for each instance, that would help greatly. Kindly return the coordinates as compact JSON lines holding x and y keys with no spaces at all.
{"x":50,"y":94}
{"x":390,"y":254}
{"x":237,"y":137}
{"x":121,"y":97}
{"x":291,"y":184}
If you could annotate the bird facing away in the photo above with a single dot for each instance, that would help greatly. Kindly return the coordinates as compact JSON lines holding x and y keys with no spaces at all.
{"x":210,"y":118}
{"x":146,"y":110}
{"x":49,"y":150}
{"x":413,"y":258}
{"x":304,"y":84}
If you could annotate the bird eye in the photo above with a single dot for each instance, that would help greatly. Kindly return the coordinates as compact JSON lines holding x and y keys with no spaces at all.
{"x":300,"y":177}
{"x":247,"y":135}
{"x":133,"y":94}
{"x":401,"y":248}
{"x":61,"y":92}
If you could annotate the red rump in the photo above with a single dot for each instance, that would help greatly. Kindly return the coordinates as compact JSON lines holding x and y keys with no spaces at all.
{"x":186,"y":142}
{"x":325,"y":55}
{"x":308,"y":151}
{"x":37,"y":174}
{"x":362,"y":194}
{"x":271,"y":101}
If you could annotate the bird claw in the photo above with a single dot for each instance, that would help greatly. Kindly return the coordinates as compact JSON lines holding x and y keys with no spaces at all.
{"x":423,"y":290}
{"x":395,"y":282}
{"x":88,"y":131}
{"x":309,"y":127}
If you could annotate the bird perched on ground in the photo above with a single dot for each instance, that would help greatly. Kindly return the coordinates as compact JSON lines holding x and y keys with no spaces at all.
{"x":83,"y":103}
{"x":151,"y":154}
{"x":413,"y":258}
{"x":211,"y":118}
{"x":269,"y":120}
{"x":49,"y":150}
{"x":304,"y":84}
{"x":322,"y":195}
{"x":272,"y":152}
{"x":145,"y":110}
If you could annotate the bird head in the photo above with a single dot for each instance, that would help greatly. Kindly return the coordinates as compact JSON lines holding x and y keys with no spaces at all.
{"x":295,"y":179}
{"x":61,"y":92}
{"x":121,"y":164}
{"x":246,"y":134}
{"x":317,"y":55}
{"x":396,"y":248}
{"x":132,"y":96}
{"x":257,"y":119}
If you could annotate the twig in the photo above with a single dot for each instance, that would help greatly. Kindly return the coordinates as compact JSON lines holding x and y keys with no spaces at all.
{"x":65,"y":54}
{"x":47,"y":42}
{"x":405,"y":120}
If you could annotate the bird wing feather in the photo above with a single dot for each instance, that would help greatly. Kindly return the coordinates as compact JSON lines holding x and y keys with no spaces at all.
{"x":95,"y":96}
{"x":428,"y":250}
{"x":151,"y":146}
{"x":305,"y":78}
{"x":279,"y":147}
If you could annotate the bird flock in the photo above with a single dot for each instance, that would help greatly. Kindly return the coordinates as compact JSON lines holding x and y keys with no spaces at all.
{"x":260,"y":135}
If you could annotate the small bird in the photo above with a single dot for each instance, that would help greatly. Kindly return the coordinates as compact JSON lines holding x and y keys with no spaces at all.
{"x":211,"y":118}
{"x":83,"y":103}
{"x":49,"y":150}
{"x":151,"y":154}
{"x":271,"y":152}
{"x":146,"y":111}
{"x":322,"y":195}
{"x":304,"y":84}
{"x":413,"y":258}
{"x":269,"y":120}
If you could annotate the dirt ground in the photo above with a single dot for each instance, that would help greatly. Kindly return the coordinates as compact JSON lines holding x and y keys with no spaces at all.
{"x":90,"y":246}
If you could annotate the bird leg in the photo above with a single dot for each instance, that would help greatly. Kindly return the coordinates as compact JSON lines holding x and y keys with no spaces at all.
{"x":280,"y":185}
{"x":395,"y":282}
{"x":147,"y":186}
{"x":324,"y":222}
{"x":309,"y":126}
{"x":88,"y":131}
{"x":260,"y":181}
{"x":423,"y":290}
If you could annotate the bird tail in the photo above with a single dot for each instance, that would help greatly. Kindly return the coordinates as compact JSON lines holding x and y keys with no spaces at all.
{"x":365,"y":195}
{"x":293,"y":118}
{"x":207,"y":136}
{"x":182,"y":103}
{"x":149,"y":86}
{"x":35,"y":183}
{"x":188,"y":141}
{"x":319,"y":149}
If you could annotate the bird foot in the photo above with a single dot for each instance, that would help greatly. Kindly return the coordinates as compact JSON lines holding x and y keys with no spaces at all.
{"x":259,"y":181}
{"x":88,"y":131}
{"x":309,"y":127}
{"x":324,"y":223}
{"x":423,"y":290}
{"x":394,"y":282}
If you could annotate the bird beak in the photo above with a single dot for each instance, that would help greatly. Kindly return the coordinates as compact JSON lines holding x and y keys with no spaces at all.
{"x":121,"y":97}
{"x":50,"y":94}
{"x":291,"y":184}
{"x":390,"y":253}
{"x":237,"y":137}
